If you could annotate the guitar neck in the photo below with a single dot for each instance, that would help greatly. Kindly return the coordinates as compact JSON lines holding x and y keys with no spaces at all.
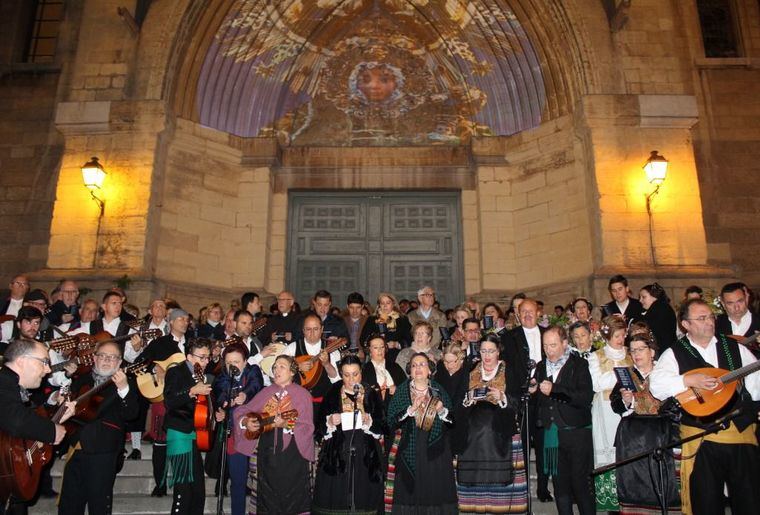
{"x":330,"y":348}
{"x":740,"y":373}
{"x":60,"y":366}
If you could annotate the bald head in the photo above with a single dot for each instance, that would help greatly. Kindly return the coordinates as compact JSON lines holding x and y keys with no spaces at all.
{"x":285,"y":301}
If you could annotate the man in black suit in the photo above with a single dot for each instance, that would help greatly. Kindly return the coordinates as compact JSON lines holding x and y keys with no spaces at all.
{"x":521,"y":351}
{"x":354,"y":322}
{"x":332,"y":326}
{"x":564,"y":392}
{"x":180,"y":395}
{"x":285,"y":323}
{"x":65,"y":310}
{"x":19,"y":287}
{"x":113,"y":322}
{"x":98,"y":444}
{"x":622,"y":302}
{"x":26,"y":364}
{"x":738,"y":319}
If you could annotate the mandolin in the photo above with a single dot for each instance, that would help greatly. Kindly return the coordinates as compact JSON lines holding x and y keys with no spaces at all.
{"x":702,"y":403}
{"x":310,"y":378}
{"x":748,"y":341}
{"x":203,"y":417}
{"x":266,"y":422}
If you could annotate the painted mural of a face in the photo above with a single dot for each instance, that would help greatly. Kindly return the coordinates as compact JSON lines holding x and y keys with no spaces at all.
{"x":376,"y":82}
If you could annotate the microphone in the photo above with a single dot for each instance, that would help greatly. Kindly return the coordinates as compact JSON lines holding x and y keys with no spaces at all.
{"x":531,"y":364}
{"x":234,"y":371}
{"x":728,"y":417}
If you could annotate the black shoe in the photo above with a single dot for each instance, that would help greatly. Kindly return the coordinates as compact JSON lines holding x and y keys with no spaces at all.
{"x":48,"y":494}
{"x":546,"y":497}
{"x":158,"y":492}
{"x":135,"y":455}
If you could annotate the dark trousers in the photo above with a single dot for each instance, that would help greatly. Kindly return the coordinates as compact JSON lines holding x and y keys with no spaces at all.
{"x":238,"y":470}
{"x":575,"y":463}
{"x":190,"y":498}
{"x":738,"y":466}
{"x":88,"y":481}
{"x":158,"y":460}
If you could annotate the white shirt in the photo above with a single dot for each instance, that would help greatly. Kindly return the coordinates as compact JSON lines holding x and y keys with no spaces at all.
{"x":665,"y":381}
{"x":622,"y":307}
{"x":533,"y":336}
{"x":84,"y":328}
{"x":313,"y":350}
{"x":743,"y":326}
{"x":425,"y":314}
{"x":607,"y":380}
{"x":163,"y":326}
{"x":6,"y":329}
{"x":384,"y":377}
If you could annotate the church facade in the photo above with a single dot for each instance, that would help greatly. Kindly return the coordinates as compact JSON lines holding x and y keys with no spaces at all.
{"x":484,"y":147}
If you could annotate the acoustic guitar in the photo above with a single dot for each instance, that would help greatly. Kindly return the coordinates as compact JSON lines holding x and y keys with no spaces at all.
{"x":702,"y":403}
{"x":266,"y":422}
{"x":149,"y":383}
{"x":203,"y":417}
{"x":83,"y":359}
{"x":310,"y":378}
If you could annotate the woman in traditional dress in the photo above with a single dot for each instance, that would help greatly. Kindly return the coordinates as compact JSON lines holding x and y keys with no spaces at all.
{"x":351,"y":417}
{"x":659,"y":315}
{"x":605,"y":421}
{"x":389,"y":322}
{"x":280,"y":456}
{"x":640,"y":430}
{"x":422,"y":332}
{"x":450,"y":373}
{"x":420,"y":469}
{"x":456,"y":331}
{"x":490,"y":463}
{"x":580,"y":338}
{"x":381,"y":373}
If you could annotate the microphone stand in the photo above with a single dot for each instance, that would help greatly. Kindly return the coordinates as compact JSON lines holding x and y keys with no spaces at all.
{"x":352,"y":457}
{"x":658,"y":454}
{"x":525,"y":405}
{"x":225,"y":436}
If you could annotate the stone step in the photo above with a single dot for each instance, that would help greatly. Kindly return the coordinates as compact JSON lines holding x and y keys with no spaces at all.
{"x":133,"y":505}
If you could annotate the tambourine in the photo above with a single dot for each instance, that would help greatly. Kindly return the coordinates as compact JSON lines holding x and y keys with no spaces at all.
{"x":424,"y":419}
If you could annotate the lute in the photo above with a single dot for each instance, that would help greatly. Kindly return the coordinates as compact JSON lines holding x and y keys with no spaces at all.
{"x":701,"y":402}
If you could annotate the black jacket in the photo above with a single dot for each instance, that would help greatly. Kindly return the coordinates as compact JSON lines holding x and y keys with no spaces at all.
{"x":180,"y":407}
{"x":208,"y":331}
{"x":331,"y":326}
{"x":402,"y":333}
{"x":569,"y":404}
{"x":160,"y":349}
{"x":18,"y":420}
{"x":104,"y":433}
{"x":281,"y":324}
{"x":661,"y":319}
{"x":516,"y":354}
{"x":634,"y":311}
{"x":59,"y":309}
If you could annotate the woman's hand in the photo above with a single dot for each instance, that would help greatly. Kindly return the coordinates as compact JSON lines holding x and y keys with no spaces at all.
{"x":335,"y":419}
{"x":495,"y":394}
{"x":627,"y":397}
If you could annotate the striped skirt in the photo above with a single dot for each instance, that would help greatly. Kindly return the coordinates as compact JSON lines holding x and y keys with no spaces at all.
{"x":490,"y":498}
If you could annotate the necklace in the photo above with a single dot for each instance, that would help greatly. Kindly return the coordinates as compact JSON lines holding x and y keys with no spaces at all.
{"x":423,"y":390}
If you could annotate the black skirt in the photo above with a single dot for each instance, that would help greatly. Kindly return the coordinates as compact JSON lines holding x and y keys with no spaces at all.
{"x":332,"y":492}
{"x":432,"y":488}
{"x":283,"y":477}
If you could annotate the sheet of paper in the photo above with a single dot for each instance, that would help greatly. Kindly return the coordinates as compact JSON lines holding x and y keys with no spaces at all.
{"x":347,"y":421}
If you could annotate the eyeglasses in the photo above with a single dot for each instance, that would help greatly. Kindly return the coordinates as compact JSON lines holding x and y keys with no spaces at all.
{"x":20,"y":283}
{"x":488,"y":352}
{"x":426,"y":294}
{"x":639,"y":350}
{"x":45,"y":361}
{"x":108,"y":357}
{"x":703,"y":318}
{"x":202,"y":358}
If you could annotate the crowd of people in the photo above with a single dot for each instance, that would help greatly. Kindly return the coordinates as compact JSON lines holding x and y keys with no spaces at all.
{"x":398,"y":408}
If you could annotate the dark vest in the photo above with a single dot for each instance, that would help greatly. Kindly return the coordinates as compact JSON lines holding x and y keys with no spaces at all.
{"x":323,"y":385}
{"x":729,"y":358}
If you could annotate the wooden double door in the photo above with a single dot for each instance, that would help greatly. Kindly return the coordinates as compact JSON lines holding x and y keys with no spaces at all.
{"x":372,"y":242}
